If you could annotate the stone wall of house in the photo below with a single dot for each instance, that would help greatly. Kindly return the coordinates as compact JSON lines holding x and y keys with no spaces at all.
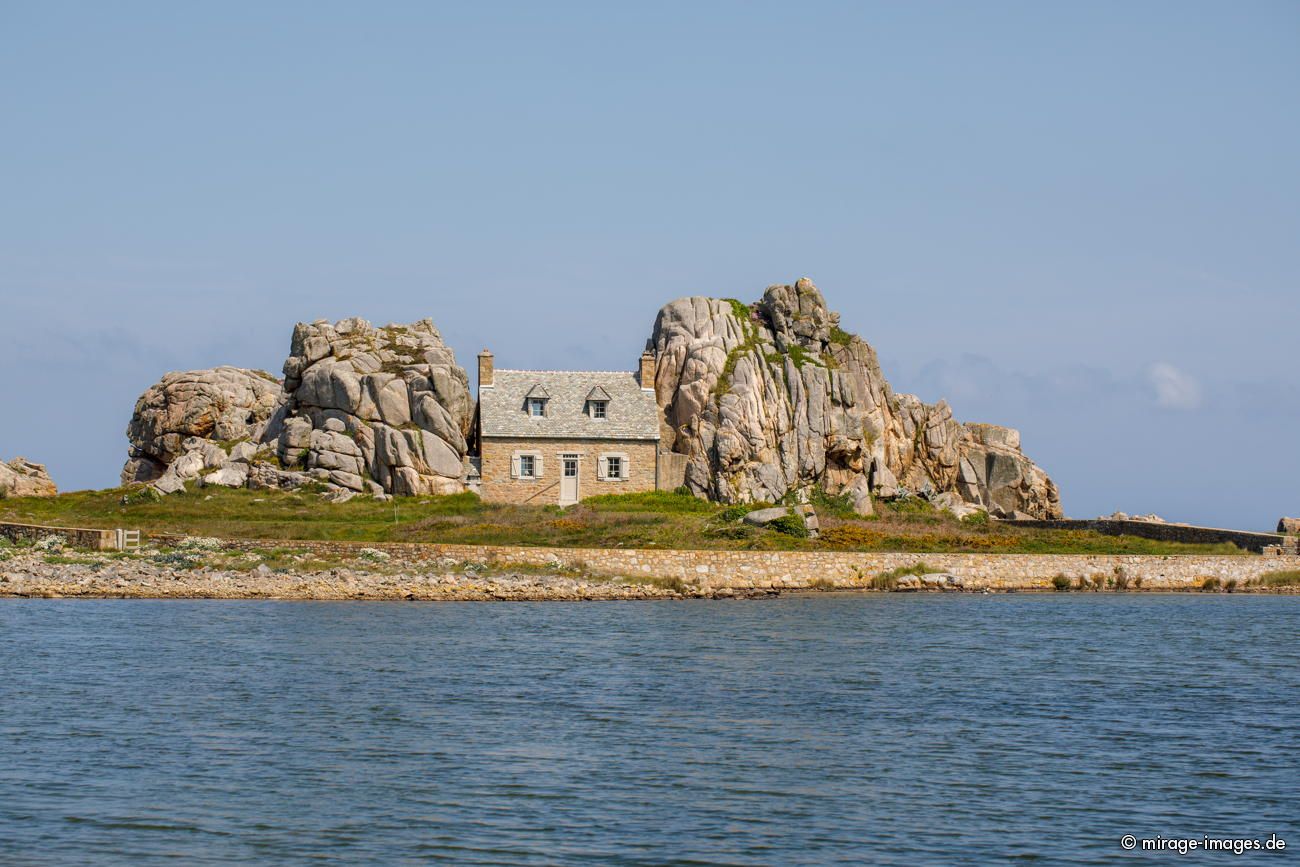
{"x":848,"y":570}
{"x":498,"y":487}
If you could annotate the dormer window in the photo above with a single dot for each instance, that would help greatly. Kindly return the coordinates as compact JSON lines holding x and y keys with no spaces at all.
{"x":598,"y":403}
{"x":535,"y":401}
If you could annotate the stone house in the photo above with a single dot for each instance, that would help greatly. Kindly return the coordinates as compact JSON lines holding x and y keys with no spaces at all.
{"x":560,"y":436}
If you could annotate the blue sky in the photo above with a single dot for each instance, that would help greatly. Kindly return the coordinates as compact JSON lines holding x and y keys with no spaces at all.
{"x":1076,"y":219}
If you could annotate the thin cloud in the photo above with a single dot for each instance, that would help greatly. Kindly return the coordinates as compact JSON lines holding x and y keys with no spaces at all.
{"x":1174,"y":388}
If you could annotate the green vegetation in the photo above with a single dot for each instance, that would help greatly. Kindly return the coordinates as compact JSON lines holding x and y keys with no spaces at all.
{"x":1060,"y":583}
{"x":790,"y":525}
{"x":1283,"y":578}
{"x":734,"y":512}
{"x":652,"y":519}
{"x":739,"y":309}
{"x":723,"y":385}
{"x":669,"y":502}
{"x":838,"y":505}
{"x":889,"y":580}
{"x":801,"y":356}
{"x":840,"y":336}
{"x":742,"y":313}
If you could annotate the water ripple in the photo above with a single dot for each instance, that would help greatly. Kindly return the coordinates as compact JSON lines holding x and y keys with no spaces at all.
{"x":826,"y":729}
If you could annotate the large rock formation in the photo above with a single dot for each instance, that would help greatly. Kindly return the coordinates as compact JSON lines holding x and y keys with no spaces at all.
{"x":774,"y":398}
{"x":361,"y":409}
{"x":388,"y":405}
{"x":224,"y":404}
{"x":22,"y":478}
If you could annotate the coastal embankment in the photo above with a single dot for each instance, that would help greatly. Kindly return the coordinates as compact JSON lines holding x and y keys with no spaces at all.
{"x":179,"y":566}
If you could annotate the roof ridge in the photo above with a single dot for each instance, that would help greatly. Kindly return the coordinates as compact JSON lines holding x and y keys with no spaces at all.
{"x":529,"y":370}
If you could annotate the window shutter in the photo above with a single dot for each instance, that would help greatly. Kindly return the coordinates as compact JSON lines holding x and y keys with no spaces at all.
{"x":624,"y":467}
{"x":537,"y":464}
{"x":602,"y":468}
{"x":514,"y":465}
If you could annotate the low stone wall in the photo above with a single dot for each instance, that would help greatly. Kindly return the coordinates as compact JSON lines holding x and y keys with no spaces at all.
{"x":96,"y":540}
{"x":1162,"y":532}
{"x":796,"y":569}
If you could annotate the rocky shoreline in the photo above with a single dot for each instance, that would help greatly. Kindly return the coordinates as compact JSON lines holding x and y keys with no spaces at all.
{"x":207,"y":569}
{"x":32,"y":573}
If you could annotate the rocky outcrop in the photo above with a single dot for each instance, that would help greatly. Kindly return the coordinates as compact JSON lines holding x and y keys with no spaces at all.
{"x":224,"y":404}
{"x":361,"y":410}
{"x":376,"y":406}
{"x":22,"y":478}
{"x":774,"y":398}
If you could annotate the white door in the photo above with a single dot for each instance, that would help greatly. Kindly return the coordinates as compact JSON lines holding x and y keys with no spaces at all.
{"x":568,"y":480}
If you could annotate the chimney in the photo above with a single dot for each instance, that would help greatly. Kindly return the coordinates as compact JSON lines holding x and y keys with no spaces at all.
{"x":647,"y":374}
{"x":484,"y":368}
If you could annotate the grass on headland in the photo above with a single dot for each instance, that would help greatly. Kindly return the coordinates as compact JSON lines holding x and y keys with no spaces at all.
{"x":669,"y":520}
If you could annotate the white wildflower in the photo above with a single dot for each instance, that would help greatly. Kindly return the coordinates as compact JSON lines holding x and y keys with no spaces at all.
{"x":50,"y":543}
{"x":200,"y":543}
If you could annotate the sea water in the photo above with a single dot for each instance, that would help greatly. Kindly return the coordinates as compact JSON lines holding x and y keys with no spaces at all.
{"x":819,"y":729}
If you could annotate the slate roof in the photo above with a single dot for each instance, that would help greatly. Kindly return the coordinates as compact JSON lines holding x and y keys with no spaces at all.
{"x":632,"y":414}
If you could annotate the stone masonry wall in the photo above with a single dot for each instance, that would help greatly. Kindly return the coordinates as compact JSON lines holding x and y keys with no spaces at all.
{"x":96,"y":540}
{"x":672,"y":470}
{"x":1161,"y":531}
{"x":798,"y":569}
{"x":498,"y":487}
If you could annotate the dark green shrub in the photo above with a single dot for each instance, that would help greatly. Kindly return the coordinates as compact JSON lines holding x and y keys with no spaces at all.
{"x":790,"y":525}
{"x":839,"y":505}
{"x":141,"y":496}
{"x":735,"y":512}
{"x":1060,"y":583}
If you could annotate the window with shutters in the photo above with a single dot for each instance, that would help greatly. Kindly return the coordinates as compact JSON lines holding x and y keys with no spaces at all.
{"x":527,"y":467}
{"x":612,"y":467}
